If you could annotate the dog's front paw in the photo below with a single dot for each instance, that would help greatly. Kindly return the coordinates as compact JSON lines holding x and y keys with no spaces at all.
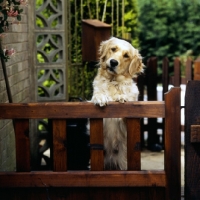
{"x":100,"y":99}
{"x":121,"y":98}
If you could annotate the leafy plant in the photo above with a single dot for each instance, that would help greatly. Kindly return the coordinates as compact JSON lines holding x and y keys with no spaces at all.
{"x":10,"y":11}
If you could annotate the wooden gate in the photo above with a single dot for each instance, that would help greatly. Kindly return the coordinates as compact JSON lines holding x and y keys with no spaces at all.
{"x":60,"y":183}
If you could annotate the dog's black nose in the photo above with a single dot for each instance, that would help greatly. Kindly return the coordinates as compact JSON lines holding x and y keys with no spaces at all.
{"x":113,"y":63}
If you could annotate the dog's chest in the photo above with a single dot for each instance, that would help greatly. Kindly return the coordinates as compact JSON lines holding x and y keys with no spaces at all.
{"x":115,"y":87}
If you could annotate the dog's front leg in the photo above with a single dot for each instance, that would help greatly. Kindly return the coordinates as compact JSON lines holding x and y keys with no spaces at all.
{"x":100,"y":99}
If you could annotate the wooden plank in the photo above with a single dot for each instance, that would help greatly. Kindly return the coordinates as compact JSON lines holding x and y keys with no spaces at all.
{"x":133,"y":144}
{"x":165,"y":82}
{"x":165,"y":75}
{"x":22,"y":145}
{"x":151,"y":79}
{"x":188,"y":70}
{"x":84,"y":179}
{"x":96,"y":145}
{"x":172,"y":144}
{"x":177,"y":72}
{"x":197,"y":69}
{"x":82,"y":193}
{"x":141,"y":84}
{"x":59,"y":145}
{"x":127,"y":193}
{"x":65,"y":110}
{"x":192,"y":150}
{"x":195,"y":134}
{"x":151,"y":82}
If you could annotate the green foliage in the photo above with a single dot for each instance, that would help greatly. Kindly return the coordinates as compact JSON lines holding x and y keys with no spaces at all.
{"x":169,"y":28}
{"x":131,"y":21}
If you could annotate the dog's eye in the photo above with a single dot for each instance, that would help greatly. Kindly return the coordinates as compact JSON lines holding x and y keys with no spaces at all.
{"x":114,"y":49}
{"x":126,"y":55}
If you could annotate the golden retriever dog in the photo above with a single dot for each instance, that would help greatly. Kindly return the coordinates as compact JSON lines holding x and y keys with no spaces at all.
{"x":119,"y":63}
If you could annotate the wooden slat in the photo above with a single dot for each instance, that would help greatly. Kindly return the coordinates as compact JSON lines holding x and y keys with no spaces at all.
{"x":177,"y":72}
{"x":172,"y":144}
{"x":188,"y":70}
{"x":59,"y":145}
{"x":165,"y":75}
{"x":197,"y":69}
{"x":84,"y":179}
{"x":65,"y":110}
{"x":151,"y":79}
{"x":152,"y":96}
{"x":133,"y":144}
{"x":96,"y":144}
{"x":22,"y":145}
{"x":141,"y":84}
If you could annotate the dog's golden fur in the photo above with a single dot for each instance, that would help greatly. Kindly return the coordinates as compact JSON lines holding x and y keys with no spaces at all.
{"x":119,"y":63}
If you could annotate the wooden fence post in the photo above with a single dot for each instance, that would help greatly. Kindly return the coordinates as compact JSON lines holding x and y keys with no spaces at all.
{"x":192,"y":149}
{"x":172,"y":144}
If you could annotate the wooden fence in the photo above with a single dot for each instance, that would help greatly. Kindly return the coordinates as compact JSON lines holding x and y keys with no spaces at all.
{"x":60,"y":183}
{"x":150,"y":80}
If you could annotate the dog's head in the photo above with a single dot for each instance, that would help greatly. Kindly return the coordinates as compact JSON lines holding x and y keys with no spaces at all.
{"x":118,"y":57}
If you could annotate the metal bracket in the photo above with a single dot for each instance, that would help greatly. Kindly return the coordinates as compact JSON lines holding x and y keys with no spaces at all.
{"x":96,"y":146}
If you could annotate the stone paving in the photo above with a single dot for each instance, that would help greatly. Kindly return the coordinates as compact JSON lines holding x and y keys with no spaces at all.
{"x":155,"y":161}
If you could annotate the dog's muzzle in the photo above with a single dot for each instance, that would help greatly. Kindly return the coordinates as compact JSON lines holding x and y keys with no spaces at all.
{"x":112,"y":64}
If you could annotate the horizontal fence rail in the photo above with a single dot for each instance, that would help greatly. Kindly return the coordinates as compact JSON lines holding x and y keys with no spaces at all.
{"x":82,"y":110}
{"x":84,"y":179}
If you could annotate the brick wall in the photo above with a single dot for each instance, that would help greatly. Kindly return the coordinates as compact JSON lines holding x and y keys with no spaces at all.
{"x":18,"y":74}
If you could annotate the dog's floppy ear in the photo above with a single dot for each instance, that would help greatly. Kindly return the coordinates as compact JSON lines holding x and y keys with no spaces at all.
{"x":136,"y":65}
{"x":103,"y":49}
